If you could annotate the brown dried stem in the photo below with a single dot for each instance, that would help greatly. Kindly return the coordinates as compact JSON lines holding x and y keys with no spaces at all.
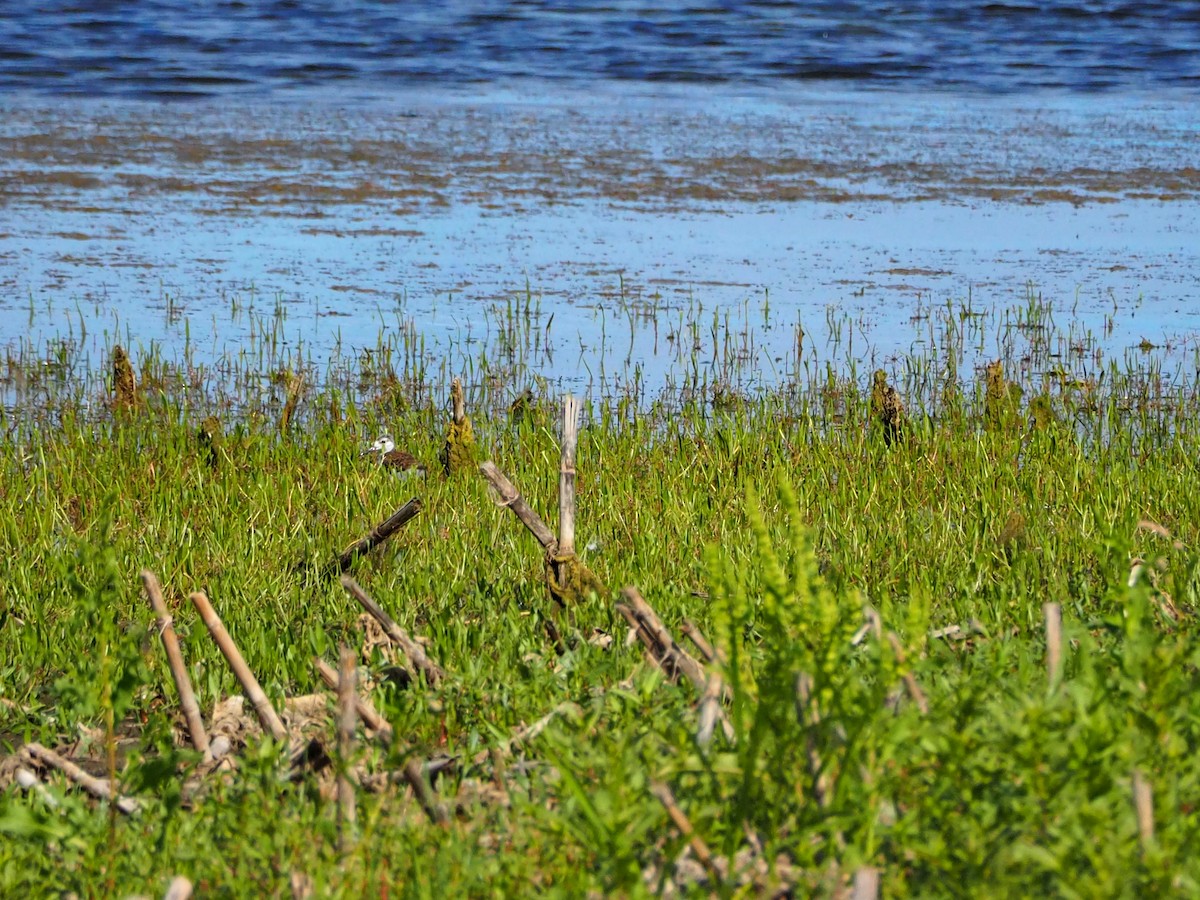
{"x":413,"y":650}
{"x":1143,"y":804}
{"x":183,"y":684}
{"x":1053,"y":615}
{"x":566,"y":476}
{"x":98,"y":787}
{"x":377,"y":536}
{"x":663,"y":793}
{"x":366,"y":710}
{"x":511,"y":498}
{"x":414,"y":774}
{"x":345,"y":733}
{"x":910,"y":681}
{"x":262,"y":706}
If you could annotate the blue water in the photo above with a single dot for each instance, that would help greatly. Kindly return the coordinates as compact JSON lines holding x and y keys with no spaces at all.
{"x":171,"y":49}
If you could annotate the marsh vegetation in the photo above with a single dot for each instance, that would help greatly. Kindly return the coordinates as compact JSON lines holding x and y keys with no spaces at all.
{"x":876,"y":597}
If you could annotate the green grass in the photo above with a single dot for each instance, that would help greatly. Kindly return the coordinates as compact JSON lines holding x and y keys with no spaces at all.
{"x":770,"y":517}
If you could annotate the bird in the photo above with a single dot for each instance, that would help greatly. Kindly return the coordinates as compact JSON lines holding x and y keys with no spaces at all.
{"x":395,"y":459}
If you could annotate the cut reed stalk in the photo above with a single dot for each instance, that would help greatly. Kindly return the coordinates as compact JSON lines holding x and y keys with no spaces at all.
{"x":412,"y":649}
{"x":100,"y":788}
{"x":663,"y":794}
{"x":366,"y":710}
{"x":346,"y":696}
{"x":377,"y":536}
{"x":1143,"y":804}
{"x":414,"y":774}
{"x":910,"y":682}
{"x":262,"y":706}
{"x":566,"y":477}
{"x":866,"y":884}
{"x":1053,"y":615}
{"x":183,"y":684}
{"x":510,"y":497}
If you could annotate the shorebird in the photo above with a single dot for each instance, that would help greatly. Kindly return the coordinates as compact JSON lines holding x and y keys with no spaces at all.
{"x":392,"y":458}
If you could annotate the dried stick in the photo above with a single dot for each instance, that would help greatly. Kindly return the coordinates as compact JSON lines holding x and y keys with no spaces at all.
{"x":511,"y":497}
{"x":345,"y":732}
{"x":262,"y":706}
{"x":710,"y":709}
{"x":458,"y":400}
{"x":1053,"y":616}
{"x":866,"y":884}
{"x":366,"y":710}
{"x":97,"y":787}
{"x":29,"y":781}
{"x":414,"y":774}
{"x":910,"y":681}
{"x":566,"y":476}
{"x":663,"y":793}
{"x":413,"y":650}
{"x":378,"y":535}
{"x":1143,"y":804}
{"x":808,"y":714}
{"x":667,"y":654}
{"x":696,"y":636}
{"x":528,"y":733}
{"x":183,"y":684}
{"x":672,"y":658}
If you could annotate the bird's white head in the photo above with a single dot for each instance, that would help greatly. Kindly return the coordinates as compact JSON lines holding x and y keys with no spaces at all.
{"x":382,"y":446}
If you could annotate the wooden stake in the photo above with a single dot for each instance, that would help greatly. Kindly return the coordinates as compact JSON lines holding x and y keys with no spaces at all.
{"x":458,"y":400}
{"x":262,"y":706}
{"x":529,"y":732}
{"x":566,"y":476}
{"x":511,"y":498}
{"x":866,"y":884}
{"x":378,"y":535}
{"x":98,"y":787}
{"x":183,"y":684}
{"x":663,"y":793}
{"x":414,"y":774}
{"x":366,"y":711}
{"x":696,"y":636}
{"x":670,"y":657}
{"x":808,"y":715}
{"x":345,"y":732}
{"x":910,"y":682}
{"x":1053,"y":616}
{"x":413,"y":650}
{"x":673,"y":658}
{"x":1143,"y":804}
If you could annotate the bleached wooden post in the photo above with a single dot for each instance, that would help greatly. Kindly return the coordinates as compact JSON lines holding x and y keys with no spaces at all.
{"x":183,"y":684}
{"x":345,"y":733}
{"x":262,"y":706}
{"x":566,"y":476}
{"x":1053,"y":614}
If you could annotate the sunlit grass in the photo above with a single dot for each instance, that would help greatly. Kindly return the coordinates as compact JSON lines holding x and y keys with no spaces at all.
{"x":976,"y":517}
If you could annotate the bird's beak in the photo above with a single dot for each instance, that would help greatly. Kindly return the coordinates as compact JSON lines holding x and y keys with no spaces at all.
{"x":367,"y":452}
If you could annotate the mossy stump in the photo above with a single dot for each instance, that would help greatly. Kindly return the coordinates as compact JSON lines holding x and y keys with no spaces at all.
{"x":124,"y":383}
{"x":208,"y":438}
{"x":887,"y":409}
{"x":458,"y":453}
{"x":1001,"y":400}
{"x":569,"y":580}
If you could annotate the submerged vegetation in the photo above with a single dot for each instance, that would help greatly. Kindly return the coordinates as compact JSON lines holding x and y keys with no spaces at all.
{"x":878,"y":608}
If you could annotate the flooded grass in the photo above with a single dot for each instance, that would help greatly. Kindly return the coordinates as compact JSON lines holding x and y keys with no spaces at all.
{"x":875,"y":594}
